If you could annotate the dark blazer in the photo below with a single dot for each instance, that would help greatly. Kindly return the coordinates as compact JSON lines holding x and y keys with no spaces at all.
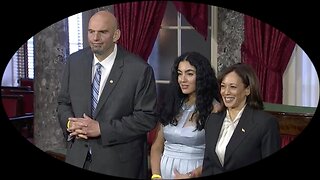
{"x":125,"y":111}
{"x":256,"y":136}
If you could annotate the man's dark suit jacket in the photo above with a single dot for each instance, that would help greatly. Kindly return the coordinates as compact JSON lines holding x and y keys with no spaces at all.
{"x":256,"y":136}
{"x":125,"y":111}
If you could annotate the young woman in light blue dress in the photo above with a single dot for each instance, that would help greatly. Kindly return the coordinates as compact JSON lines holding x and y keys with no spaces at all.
{"x":178,"y":149}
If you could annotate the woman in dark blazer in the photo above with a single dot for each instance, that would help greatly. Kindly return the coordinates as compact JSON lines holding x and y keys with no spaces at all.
{"x":242,"y":133}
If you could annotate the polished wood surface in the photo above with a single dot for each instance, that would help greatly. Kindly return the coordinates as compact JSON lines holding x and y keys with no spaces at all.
{"x":292,"y":123}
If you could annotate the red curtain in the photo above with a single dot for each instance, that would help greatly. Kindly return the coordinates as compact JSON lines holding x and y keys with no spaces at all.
{"x":196,"y":14}
{"x":139,"y":23}
{"x":268,"y":51}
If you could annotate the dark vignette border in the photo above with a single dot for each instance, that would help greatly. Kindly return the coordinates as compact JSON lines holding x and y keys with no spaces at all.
{"x":298,"y":20}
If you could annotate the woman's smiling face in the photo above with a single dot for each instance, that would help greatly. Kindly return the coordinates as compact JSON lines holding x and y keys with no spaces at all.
{"x":233,"y":91}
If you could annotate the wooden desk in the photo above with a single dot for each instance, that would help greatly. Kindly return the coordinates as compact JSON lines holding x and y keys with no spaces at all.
{"x":12,"y":104}
{"x":58,"y":153}
{"x":24,"y":124}
{"x":292,"y":123}
{"x":292,"y":119}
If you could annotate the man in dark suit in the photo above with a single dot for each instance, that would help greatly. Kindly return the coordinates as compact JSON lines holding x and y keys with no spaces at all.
{"x":111,"y":138}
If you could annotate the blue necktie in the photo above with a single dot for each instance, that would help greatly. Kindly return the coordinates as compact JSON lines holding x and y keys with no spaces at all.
{"x":95,"y":87}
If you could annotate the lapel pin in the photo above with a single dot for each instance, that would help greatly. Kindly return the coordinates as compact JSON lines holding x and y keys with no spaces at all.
{"x":243,"y":130}
{"x":111,"y":81}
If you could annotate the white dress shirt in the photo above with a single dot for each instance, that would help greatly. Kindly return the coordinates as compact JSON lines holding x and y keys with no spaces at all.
{"x":226,"y":132}
{"x":107,"y":64}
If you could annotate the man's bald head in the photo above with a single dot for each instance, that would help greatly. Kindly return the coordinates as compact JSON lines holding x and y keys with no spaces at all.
{"x":105,"y":17}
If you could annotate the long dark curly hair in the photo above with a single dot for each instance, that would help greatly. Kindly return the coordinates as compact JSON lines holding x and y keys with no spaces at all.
{"x":206,"y":91}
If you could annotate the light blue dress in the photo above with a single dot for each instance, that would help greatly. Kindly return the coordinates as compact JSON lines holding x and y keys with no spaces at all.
{"x":183,"y":147}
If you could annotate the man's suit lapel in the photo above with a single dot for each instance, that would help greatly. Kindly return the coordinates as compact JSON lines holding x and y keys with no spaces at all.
{"x":244,"y":126}
{"x":87,"y":74}
{"x":113,"y":79}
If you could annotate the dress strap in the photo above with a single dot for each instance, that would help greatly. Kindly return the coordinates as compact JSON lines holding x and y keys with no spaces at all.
{"x":186,"y":113}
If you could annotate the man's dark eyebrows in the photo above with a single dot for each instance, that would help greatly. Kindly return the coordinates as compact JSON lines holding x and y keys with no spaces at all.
{"x":103,"y":31}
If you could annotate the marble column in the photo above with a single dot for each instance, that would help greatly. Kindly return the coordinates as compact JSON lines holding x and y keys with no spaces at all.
{"x":230,"y":37}
{"x":51,"y":46}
